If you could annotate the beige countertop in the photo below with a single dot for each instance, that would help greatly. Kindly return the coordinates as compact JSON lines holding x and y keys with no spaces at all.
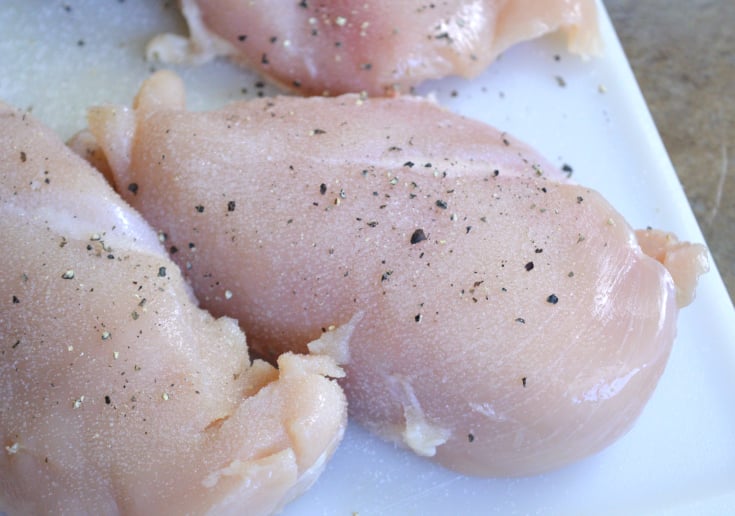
{"x":683,"y":55}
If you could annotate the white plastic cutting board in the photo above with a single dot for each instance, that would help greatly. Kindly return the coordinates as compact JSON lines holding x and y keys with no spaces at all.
{"x":58,"y":57}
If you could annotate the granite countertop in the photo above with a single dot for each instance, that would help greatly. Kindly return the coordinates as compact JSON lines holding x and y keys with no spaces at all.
{"x":683,"y":55}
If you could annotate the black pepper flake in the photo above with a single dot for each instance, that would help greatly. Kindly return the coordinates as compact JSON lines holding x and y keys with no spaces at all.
{"x":17,"y":343}
{"x":296,"y":84}
{"x":319,"y":131}
{"x":520,"y":320}
{"x":16,"y":300}
{"x":242,"y":37}
{"x":408,"y":164}
{"x":417,"y":318}
{"x":386,"y":276}
{"x":366,"y":66}
{"x":162,"y":272}
{"x":133,"y":188}
{"x":322,"y":188}
{"x":524,"y":381}
{"x":107,"y":400}
{"x":580,"y":199}
{"x":418,"y":236}
{"x":264,"y":59}
{"x":199,"y":208}
{"x":470,"y":438}
{"x":538,"y":250}
{"x":23,"y":156}
{"x":173,"y":249}
{"x":441,"y":204}
{"x":568,"y":169}
{"x":303,"y":4}
{"x":273,"y":39}
{"x":230,"y":205}
{"x":552,"y":299}
{"x":529,"y":266}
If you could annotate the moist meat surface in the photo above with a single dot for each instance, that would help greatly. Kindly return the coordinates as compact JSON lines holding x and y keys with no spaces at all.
{"x":117,"y":393}
{"x":501,"y":320}
{"x":379,"y":47}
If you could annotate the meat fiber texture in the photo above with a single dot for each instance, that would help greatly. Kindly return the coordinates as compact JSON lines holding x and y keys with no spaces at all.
{"x":118,"y":395}
{"x":380,"y":47}
{"x":495,"y":317}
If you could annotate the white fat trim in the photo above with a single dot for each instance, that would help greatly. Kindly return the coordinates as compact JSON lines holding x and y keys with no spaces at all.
{"x":335,"y":343}
{"x":419,"y":434}
{"x":201,"y":46}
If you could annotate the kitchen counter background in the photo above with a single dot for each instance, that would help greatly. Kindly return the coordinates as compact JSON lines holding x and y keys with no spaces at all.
{"x":683,"y":56}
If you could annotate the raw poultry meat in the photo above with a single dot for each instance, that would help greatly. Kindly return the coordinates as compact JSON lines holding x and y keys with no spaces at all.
{"x":118,"y":395}
{"x":380,"y":47}
{"x":499,"y":319}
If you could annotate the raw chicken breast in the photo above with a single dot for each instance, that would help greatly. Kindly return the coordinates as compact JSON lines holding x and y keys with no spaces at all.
{"x":117,"y":394}
{"x":336,"y":46}
{"x":499,"y":320}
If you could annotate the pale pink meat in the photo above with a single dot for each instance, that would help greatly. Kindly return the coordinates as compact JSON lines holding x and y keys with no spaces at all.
{"x":381,"y":46}
{"x":117,"y":394}
{"x":501,"y":321}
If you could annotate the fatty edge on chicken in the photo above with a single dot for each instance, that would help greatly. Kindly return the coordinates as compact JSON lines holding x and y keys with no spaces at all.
{"x":381,"y":46}
{"x":117,"y":394}
{"x":501,"y":321}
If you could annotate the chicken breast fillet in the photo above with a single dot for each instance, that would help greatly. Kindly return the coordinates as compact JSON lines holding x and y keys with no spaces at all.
{"x":337,"y":46}
{"x":117,"y":394}
{"x":500,"y":320}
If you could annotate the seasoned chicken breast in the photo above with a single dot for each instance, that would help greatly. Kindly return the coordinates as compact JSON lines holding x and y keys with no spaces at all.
{"x":117,"y":394}
{"x":333,"y":47}
{"x":500,"y":320}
